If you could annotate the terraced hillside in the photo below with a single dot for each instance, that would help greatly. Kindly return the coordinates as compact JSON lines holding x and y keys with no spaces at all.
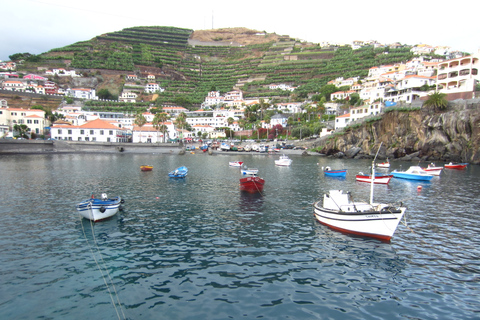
{"x":190,"y":63}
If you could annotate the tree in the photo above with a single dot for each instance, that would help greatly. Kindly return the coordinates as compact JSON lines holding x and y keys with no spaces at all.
{"x":22,"y":130}
{"x":140,"y":121}
{"x":105,"y":94}
{"x":181,"y":121}
{"x":437,"y":101}
{"x":159,"y":123}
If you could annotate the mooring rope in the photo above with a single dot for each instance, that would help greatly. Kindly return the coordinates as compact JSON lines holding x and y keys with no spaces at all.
{"x":100,"y":268}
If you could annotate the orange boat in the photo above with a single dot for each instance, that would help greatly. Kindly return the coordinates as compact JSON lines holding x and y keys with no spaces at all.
{"x":146,"y":168}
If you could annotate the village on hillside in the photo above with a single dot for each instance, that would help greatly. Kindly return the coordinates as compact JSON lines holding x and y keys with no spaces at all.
{"x":384,"y":87}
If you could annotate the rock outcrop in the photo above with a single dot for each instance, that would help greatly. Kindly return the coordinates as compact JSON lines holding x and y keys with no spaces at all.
{"x":452,"y":135}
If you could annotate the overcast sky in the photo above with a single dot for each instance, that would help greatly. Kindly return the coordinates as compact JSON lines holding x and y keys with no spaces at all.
{"x":36,"y":26}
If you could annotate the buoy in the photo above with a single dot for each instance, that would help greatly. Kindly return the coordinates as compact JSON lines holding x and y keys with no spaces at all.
{"x":419,"y":188}
{"x":157,"y":198}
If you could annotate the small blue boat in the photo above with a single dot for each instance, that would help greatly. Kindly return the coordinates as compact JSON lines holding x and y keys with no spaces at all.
{"x":335,"y":173}
{"x":180,"y":172}
{"x":413,"y":173}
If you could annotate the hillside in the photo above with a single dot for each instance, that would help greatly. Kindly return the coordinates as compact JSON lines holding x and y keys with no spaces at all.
{"x":189,"y":63}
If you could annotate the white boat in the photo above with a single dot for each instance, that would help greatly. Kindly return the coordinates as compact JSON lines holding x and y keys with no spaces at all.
{"x":284,"y":161}
{"x":249,"y":171}
{"x":98,"y":209}
{"x":340,"y":212}
{"x":385,"y":164}
{"x":235,"y":163}
{"x":433,"y":170}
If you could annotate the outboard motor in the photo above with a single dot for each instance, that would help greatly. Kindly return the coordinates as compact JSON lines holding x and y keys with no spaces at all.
{"x":104,"y":196}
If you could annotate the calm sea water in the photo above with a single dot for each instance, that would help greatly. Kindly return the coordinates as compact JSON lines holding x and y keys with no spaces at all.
{"x":199,"y":249}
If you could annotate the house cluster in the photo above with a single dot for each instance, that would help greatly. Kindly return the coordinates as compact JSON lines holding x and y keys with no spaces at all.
{"x":384,"y":86}
{"x":34,"y":119}
{"x":405,"y":82}
{"x":133,"y":87}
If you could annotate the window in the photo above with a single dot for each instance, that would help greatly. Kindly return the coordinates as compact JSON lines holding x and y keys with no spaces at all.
{"x":101,"y":132}
{"x":29,"y":121}
{"x":35,"y":121}
{"x":110,"y":132}
{"x":94,"y":139}
{"x":59,"y":131}
{"x":82,"y":131}
{"x":79,"y":138}
{"x":92,"y":132}
{"x":69,"y":131}
{"x":87,"y":139}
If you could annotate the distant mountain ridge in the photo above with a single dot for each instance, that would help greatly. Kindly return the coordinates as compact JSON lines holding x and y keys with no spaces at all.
{"x":190,"y":63}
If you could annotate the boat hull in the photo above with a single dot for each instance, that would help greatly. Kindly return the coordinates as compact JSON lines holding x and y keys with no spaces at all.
{"x":378,"y":179}
{"x":370,"y":223}
{"x":146,"y":168}
{"x":180,"y":172}
{"x":283,"y":163}
{"x":235,"y":163}
{"x":252,"y":184}
{"x":459,"y":166}
{"x":336,"y":173}
{"x":98,"y":209}
{"x":249,"y":171}
{"x":410,"y":176}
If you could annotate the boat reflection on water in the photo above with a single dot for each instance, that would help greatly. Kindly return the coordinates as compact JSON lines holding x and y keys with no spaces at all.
{"x":251,"y":203}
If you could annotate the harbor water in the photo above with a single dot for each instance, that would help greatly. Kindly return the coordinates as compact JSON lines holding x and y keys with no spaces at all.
{"x":198,"y":248}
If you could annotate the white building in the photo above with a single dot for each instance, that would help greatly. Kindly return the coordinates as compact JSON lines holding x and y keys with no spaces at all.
{"x":153,"y":87}
{"x":97,"y":130}
{"x":342,"y":121}
{"x":82,"y":93}
{"x":34,"y":119}
{"x":457,"y":77}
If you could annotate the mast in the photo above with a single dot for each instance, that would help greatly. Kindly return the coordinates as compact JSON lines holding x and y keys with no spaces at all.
{"x":373,"y":174}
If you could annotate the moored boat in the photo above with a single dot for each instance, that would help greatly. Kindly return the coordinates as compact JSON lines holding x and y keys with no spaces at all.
{"x":375,"y":220}
{"x":283,"y":161}
{"x":146,"y":168}
{"x":99,"y":209}
{"x":249,"y":171}
{"x":340,"y":212}
{"x":458,"y":166}
{"x":180,"y":172}
{"x":235,"y":163}
{"x":385,"y":164}
{"x":252,"y":184}
{"x":433,"y":170}
{"x":413,"y":173}
{"x":334,"y":173}
{"x":378,"y":178}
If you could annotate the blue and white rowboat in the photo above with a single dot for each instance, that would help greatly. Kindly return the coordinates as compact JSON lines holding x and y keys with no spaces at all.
{"x":98,"y":209}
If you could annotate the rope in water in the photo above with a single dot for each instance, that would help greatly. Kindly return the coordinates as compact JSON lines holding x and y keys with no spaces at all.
{"x":100,"y":268}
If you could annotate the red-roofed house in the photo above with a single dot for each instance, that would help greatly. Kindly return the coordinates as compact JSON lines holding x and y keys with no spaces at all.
{"x":95,"y":130}
{"x":342,"y":121}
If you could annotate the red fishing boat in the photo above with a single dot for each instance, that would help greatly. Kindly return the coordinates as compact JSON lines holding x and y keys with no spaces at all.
{"x":252,"y":184}
{"x":433,"y":170}
{"x":146,"y":168}
{"x":458,"y":166}
{"x":379,"y":179}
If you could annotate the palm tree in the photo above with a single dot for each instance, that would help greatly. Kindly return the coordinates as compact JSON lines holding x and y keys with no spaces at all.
{"x":139,"y":121}
{"x":437,"y":101}
{"x":159,"y":123}
{"x":181,"y":121}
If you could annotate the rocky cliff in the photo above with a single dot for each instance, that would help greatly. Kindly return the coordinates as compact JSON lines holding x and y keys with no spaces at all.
{"x":451,"y":135}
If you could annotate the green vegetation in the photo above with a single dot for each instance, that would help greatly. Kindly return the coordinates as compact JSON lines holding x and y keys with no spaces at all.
{"x":189,"y":72}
